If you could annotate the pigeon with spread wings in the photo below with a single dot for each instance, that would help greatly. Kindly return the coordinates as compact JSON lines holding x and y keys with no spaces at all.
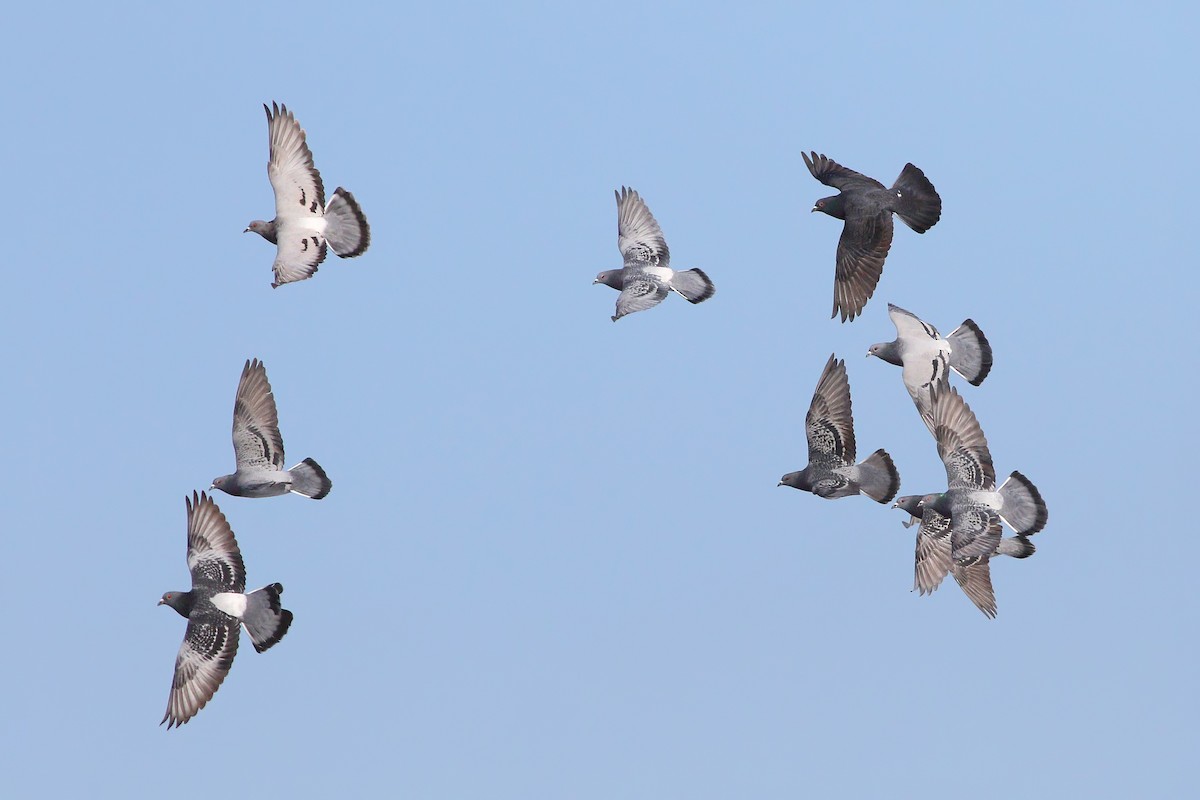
{"x":216,"y":607}
{"x":304,"y":224}
{"x":866,"y":206}
{"x":927,"y":357}
{"x":829,"y":426}
{"x":647,"y":278}
{"x":258,"y":446}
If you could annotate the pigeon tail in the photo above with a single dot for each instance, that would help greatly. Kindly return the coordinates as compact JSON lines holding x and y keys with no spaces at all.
{"x":970,"y":352}
{"x":1023,"y":509}
{"x":878,"y":478}
{"x":917,"y":203}
{"x":693,"y":284}
{"x":1016,"y":546}
{"x":265,"y":619}
{"x":346,"y":228}
{"x":310,"y":480}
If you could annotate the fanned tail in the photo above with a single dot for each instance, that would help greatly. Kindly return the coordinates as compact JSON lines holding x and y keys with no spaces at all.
{"x":693,"y":284}
{"x":917,"y":203}
{"x":1023,"y":508}
{"x":265,"y":619}
{"x":346,"y":228}
{"x":1016,"y":546}
{"x":970,"y":352}
{"x":877,"y":477}
{"x":310,"y":480}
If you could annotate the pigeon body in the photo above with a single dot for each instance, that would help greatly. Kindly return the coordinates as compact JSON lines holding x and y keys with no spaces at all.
{"x":258,"y":446}
{"x":647,"y":278}
{"x":304,"y":225}
{"x":933,"y":558}
{"x":972,"y":501}
{"x":216,"y":607}
{"x":829,"y":428}
{"x":927,"y":357}
{"x":866,"y":207}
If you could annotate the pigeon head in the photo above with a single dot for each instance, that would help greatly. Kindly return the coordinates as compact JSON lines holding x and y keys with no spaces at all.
{"x":797,"y":480}
{"x":888,"y":351}
{"x":936,"y":502}
{"x":180,"y":601}
{"x":225,"y":483}
{"x":833,"y":206}
{"x":263,"y":229}
{"x":912,"y":504}
{"x":610,"y":277}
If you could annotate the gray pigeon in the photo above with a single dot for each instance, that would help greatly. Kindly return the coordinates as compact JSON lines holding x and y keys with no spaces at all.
{"x":866,"y":207}
{"x":303,"y":223}
{"x":831,"y":471}
{"x":216,"y":608}
{"x":933,"y":558}
{"x":972,"y":502}
{"x":258,"y":446}
{"x":647,"y":277}
{"x":926,"y":357}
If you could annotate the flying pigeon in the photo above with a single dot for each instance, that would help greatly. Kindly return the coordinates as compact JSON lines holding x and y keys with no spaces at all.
{"x":831,"y":471}
{"x":646,"y":277}
{"x":258,"y":446}
{"x":215,"y":608}
{"x":926,"y":356}
{"x":972,"y":503}
{"x":303,"y":223}
{"x":867,"y":206}
{"x":933,"y":559}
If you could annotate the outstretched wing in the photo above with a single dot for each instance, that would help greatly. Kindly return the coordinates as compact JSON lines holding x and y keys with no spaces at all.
{"x":831,"y":173}
{"x":639,"y":238}
{"x":960,"y":442}
{"x":257,"y":442}
{"x":299,"y":191}
{"x":213,"y":556}
{"x":932,"y":559}
{"x":975,"y":578}
{"x":829,"y":423}
{"x":641,"y":291}
{"x":204,"y":659}
{"x":861,"y":250}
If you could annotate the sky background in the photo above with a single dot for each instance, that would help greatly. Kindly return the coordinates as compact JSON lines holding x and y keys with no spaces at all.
{"x":555,"y":562}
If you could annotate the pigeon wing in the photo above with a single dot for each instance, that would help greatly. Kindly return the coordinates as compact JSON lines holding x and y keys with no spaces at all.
{"x":932,"y":561}
{"x":213,"y":556}
{"x":975,"y":579}
{"x":204,"y":659}
{"x":300,"y":251}
{"x":909,"y":325}
{"x":299,"y":192}
{"x":960,"y":442}
{"x":861,"y":250}
{"x":829,"y":424}
{"x":257,"y":442}
{"x":975,"y":534}
{"x":831,"y":173}
{"x":639,"y":238}
{"x":641,"y":291}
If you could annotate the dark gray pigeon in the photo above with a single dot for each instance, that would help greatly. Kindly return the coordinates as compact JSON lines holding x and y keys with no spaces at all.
{"x":933,"y":561}
{"x":216,"y":608}
{"x":927,"y":357}
{"x":303,"y":223}
{"x":646,"y":279}
{"x":972,"y":502}
{"x":258,"y":446}
{"x":866,"y":206}
{"x":831,"y":471}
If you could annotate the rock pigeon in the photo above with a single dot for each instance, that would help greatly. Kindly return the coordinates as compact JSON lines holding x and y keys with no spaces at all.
{"x":831,"y":471}
{"x":647,"y":277}
{"x":258,"y":446}
{"x":926,"y":357}
{"x":867,"y":206}
{"x":973,"y":504}
{"x":303,"y":223}
{"x":215,"y":608}
{"x":933,"y":558}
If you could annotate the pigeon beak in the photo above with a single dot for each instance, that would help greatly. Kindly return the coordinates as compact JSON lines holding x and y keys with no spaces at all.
{"x":814,"y":208}
{"x":160,"y":602}
{"x":595,"y":281}
{"x":779,"y":484}
{"x":246,"y":231}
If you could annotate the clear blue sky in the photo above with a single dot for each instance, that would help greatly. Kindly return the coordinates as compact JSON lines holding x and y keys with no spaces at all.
{"x":555,"y":563}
